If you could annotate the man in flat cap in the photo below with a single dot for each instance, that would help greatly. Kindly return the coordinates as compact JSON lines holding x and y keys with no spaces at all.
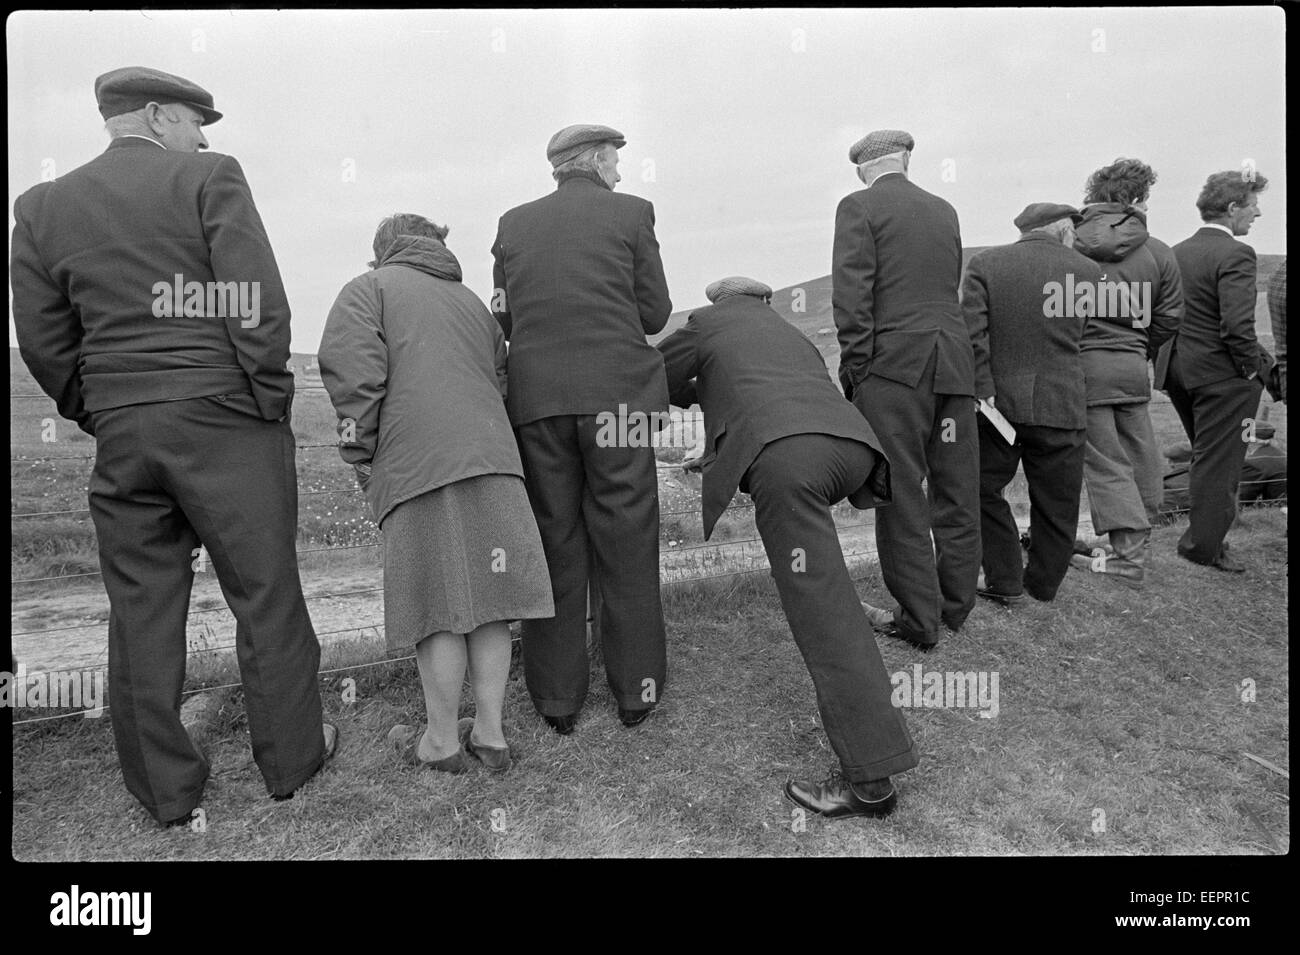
{"x":1263,"y":473}
{"x":1016,"y":291}
{"x":914,"y":368}
{"x":148,"y":305}
{"x":579,"y":285}
{"x":797,"y":447}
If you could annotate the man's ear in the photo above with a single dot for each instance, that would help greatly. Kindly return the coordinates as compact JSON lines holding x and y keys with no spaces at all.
{"x":154,"y":116}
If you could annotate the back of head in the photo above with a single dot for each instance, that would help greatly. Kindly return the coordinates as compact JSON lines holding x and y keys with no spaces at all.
{"x":404,"y":224}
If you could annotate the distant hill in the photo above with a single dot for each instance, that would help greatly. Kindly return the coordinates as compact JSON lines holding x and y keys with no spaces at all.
{"x":818,"y":324}
{"x":815,"y":321}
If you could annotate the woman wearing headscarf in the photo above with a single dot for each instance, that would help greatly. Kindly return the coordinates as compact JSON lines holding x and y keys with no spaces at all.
{"x":415,"y":368}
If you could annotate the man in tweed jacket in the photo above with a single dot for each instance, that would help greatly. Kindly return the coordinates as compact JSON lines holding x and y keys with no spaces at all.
{"x":1038,"y":383}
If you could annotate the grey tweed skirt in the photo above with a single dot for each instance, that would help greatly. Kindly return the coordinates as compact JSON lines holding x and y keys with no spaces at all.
{"x":461,"y":556}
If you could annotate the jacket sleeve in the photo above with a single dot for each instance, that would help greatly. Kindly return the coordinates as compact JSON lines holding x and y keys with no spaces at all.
{"x":975,"y":309}
{"x":853,"y":277}
{"x":681,"y":365}
{"x":353,"y":362}
{"x":1236,"y":282}
{"x":1167,"y":309}
{"x":651,"y":285}
{"x":502,"y":355}
{"x":1277,"y":312}
{"x":241,"y":252}
{"x":500,"y":307}
{"x":48,"y":328}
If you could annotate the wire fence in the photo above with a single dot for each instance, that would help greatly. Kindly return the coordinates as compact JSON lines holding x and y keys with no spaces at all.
{"x":722,"y":549}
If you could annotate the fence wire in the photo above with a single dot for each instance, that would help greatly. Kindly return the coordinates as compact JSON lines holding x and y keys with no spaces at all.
{"x":720,"y":547}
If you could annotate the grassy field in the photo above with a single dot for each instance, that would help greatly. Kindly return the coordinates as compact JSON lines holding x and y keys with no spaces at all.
{"x":1111,"y":702}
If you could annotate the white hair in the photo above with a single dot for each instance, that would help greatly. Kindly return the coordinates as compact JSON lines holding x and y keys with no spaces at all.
{"x":585,"y":161}
{"x":890,"y":162}
{"x":129,"y":124}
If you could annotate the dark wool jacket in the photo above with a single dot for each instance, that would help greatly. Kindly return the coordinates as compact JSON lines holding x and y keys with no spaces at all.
{"x":415,"y":368}
{"x":1037,"y":373}
{"x":757,"y":378}
{"x":1216,"y":340}
{"x":896,"y":268}
{"x":578,"y":286}
{"x":89,"y":251}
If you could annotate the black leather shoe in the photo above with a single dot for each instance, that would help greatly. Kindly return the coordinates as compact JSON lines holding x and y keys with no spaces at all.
{"x":837,"y":798}
{"x":1006,"y":600}
{"x":1229,"y":565}
{"x":907,"y":636}
{"x":634,"y":717}
{"x":562,"y":724}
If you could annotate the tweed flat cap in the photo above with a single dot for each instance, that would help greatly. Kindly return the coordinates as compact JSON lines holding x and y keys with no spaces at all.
{"x":736,"y":285}
{"x":133,"y":87}
{"x":572,"y":140}
{"x":879,"y":143}
{"x":1041,"y":213}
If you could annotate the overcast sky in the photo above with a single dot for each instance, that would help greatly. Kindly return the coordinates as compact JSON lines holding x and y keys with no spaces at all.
{"x":738,"y":122}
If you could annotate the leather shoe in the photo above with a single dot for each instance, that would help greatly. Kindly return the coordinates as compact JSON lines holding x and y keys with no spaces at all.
{"x":634,"y":717}
{"x":562,"y":724}
{"x":495,"y":758}
{"x":892,"y":629}
{"x":1229,"y":565}
{"x":837,"y":798}
{"x":1006,"y":600}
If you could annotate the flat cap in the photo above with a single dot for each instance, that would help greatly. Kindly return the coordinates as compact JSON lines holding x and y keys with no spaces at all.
{"x":879,"y":143}
{"x":133,"y":87}
{"x":1041,"y":213}
{"x":736,"y":285}
{"x":572,"y":140}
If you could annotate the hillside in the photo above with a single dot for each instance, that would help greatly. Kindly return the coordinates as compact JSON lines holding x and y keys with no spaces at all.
{"x":815,"y":321}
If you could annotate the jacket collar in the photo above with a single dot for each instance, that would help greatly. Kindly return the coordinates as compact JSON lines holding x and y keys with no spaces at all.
{"x":582,"y":175}
{"x":426,"y":254}
{"x":1038,"y":237}
{"x":120,"y":142}
{"x":1208,"y":229}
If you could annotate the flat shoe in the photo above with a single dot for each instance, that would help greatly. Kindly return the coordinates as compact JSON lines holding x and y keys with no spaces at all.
{"x":454,"y":763}
{"x":495,"y":758}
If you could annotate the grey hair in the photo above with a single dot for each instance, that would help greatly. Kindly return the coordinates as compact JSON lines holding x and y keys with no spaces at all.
{"x":585,"y":161}
{"x":129,"y":124}
{"x":890,"y":162}
{"x":400,"y":224}
{"x":1057,"y":229}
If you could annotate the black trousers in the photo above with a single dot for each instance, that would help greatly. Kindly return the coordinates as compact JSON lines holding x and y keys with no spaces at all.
{"x":1053,"y":461}
{"x":929,"y":437}
{"x":1214,"y":417}
{"x":597,"y":509}
{"x":168,"y":476}
{"x":794,"y":481}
